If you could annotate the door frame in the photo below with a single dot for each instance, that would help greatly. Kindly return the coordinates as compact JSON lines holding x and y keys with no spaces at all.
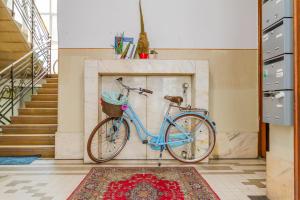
{"x":296,"y":98}
{"x":262,"y":136}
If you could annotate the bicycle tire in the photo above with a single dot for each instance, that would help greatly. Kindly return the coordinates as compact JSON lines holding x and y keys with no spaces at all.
{"x":211,"y":145}
{"x":95,"y":130}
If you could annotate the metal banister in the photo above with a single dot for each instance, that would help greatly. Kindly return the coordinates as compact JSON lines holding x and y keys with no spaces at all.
{"x":20,"y":78}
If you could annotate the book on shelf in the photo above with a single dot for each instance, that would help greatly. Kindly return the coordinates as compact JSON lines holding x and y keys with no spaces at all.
{"x":126,"y":41}
{"x":130,"y":53}
{"x":125,"y":47}
{"x":124,"y":53}
{"x":133,"y":51}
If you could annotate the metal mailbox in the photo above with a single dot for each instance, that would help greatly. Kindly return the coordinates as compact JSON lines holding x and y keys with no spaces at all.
{"x":278,"y":74}
{"x":274,"y":10}
{"x":278,"y":107}
{"x":278,"y":39}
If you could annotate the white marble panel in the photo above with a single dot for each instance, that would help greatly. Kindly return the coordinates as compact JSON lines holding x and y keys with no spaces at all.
{"x":91,"y":88}
{"x":280,"y":163}
{"x":63,"y":151}
{"x":157,"y":105}
{"x":134,"y":148}
{"x":236,"y":145}
{"x":280,"y":178}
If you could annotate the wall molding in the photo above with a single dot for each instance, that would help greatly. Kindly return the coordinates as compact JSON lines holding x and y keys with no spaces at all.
{"x":167,"y":49}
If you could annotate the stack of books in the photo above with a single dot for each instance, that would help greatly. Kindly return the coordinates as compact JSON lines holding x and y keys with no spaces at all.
{"x":125,"y":47}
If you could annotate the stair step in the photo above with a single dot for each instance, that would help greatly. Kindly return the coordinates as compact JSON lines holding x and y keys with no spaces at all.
{"x":52,"y":80}
{"x":41,"y":104}
{"x":29,"y":129}
{"x":52,"y":75}
{"x":47,"y":91}
{"x":34,"y":119}
{"x":46,"y":151}
{"x":27,"y":139}
{"x":37,"y":111}
{"x":50,"y":85}
{"x":44,"y":97}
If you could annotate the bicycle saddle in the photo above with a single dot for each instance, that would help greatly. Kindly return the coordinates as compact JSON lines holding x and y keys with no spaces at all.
{"x":174,"y":99}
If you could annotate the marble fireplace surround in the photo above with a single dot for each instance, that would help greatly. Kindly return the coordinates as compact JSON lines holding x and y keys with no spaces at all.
{"x":197,"y":69}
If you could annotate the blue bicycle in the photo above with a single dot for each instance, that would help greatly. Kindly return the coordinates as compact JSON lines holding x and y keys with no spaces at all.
{"x":188,"y":136}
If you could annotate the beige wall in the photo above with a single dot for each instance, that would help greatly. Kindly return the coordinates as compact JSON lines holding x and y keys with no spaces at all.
{"x":280,"y":163}
{"x":233,"y":98}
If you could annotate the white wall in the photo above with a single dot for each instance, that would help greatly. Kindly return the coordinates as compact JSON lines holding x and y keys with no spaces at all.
{"x":222,"y":24}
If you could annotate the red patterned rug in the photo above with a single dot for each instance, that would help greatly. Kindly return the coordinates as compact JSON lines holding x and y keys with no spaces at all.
{"x":143,"y":183}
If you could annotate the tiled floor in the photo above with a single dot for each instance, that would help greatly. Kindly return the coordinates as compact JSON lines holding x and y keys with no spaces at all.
{"x":56,"y":179}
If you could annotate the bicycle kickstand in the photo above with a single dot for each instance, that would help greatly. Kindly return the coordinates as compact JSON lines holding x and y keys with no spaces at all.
{"x":160,"y":155}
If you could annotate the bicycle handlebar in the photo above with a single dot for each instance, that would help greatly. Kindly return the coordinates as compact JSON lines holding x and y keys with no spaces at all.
{"x":141,"y":90}
{"x":146,"y":91}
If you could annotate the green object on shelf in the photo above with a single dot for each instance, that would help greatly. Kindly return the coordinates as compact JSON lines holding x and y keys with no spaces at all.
{"x":119,"y":44}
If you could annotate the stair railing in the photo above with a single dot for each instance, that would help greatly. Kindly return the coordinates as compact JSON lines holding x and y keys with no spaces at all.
{"x":19,"y":79}
{"x":26,"y":13}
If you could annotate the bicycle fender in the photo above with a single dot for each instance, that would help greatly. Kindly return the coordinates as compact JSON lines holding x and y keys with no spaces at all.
{"x":212,"y":123}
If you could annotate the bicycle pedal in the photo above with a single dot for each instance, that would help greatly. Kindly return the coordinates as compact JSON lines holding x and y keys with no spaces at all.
{"x":145,"y":141}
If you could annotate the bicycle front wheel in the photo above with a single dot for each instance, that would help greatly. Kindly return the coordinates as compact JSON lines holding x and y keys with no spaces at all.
{"x":107,"y":139}
{"x":199,"y":130}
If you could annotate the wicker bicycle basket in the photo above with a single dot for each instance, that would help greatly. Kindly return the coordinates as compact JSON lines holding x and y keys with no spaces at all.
{"x":111,"y":109}
{"x":112,"y":104}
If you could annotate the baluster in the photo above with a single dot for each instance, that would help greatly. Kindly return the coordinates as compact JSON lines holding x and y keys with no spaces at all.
{"x":13,"y":8}
{"x":32,"y":72}
{"x":12,"y":89}
{"x":49,"y":54}
{"x":32,"y":24}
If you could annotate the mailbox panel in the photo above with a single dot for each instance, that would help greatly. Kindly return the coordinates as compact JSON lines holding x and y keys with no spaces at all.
{"x":278,"y":107}
{"x":278,"y":39}
{"x":267,"y":108}
{"x":275,"y":10}
{"x":278,"y":74}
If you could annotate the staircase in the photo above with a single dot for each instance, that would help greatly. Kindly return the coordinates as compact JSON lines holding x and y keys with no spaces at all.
{"x":25,"y":62}
{"x":13,"y":42}
{"x":32,"y":132}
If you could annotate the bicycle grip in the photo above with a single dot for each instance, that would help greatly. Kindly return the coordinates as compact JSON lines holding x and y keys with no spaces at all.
{"x":147,"y":91}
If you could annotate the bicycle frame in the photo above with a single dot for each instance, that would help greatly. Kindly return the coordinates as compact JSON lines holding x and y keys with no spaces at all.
{"x":158,"y":140}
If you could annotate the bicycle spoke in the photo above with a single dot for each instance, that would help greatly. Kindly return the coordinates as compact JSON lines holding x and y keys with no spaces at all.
{"x":200,"y":133}
{"x":108,"y":140}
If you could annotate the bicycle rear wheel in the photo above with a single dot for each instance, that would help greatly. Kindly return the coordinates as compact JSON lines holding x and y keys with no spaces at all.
{"x":201,"y":132}
{"x":107,"y":139}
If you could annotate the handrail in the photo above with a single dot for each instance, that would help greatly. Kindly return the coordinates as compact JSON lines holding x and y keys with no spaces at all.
{"x":53,"y":66}
{"x":20,"y":78}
